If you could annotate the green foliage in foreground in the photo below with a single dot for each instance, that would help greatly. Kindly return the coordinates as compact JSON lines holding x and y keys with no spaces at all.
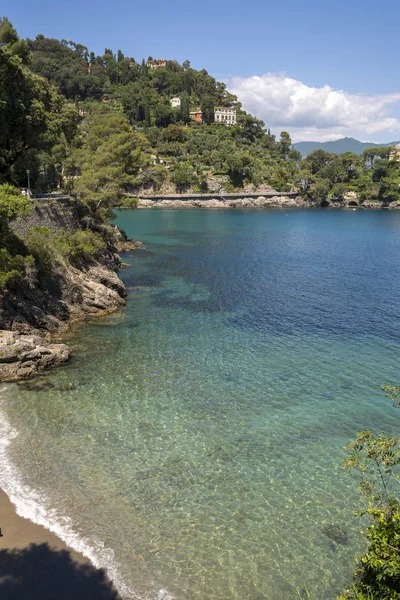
{"x":377,"y":460}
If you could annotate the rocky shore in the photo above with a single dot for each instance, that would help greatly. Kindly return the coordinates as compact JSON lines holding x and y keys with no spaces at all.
{"x":278,"y":201}
{"x":32,"y":319}
{"x":260,"y":202}
{"x":36,"y":312}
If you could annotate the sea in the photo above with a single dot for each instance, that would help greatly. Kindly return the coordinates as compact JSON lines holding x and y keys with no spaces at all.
{"x":194,"y":445}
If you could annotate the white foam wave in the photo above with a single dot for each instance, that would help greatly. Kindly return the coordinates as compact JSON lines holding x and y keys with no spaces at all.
{"x":32,"y":505}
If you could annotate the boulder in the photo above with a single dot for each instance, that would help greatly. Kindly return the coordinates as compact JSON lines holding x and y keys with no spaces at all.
{"x":23,"y":356}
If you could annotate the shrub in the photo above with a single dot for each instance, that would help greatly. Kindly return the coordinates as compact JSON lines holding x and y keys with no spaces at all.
{"x":12,"y":268}
{"x":378,"y":574}
{"x":12,"y":203}
{"x":183,"y":176}
{"x":40,"y":244}
{"x":376,"y":458}
{"x":79,"y":246}
{"x":50,"y":249}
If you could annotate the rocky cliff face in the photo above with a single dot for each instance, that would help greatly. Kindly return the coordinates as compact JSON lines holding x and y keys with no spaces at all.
{"x":43,"y":306}
{"x":49,"y":305}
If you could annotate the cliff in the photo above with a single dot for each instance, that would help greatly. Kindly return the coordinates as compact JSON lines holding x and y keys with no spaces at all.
{"x":41,"y":307}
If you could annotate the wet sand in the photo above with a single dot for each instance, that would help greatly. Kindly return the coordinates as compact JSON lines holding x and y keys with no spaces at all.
{"x":36,"y":564}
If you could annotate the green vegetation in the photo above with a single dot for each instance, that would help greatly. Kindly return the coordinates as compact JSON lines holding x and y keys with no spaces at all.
{"x":34,"y":118}
{"x":13,"y":263}
{"x":103,"y":129}
{"x":376,"y":458}
{"x":50,"y":250}
{"x":43,"y":252}
{"x":374,"y":175}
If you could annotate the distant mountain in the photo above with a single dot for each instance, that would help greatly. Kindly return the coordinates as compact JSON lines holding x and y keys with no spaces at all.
{"x":339,"y":146}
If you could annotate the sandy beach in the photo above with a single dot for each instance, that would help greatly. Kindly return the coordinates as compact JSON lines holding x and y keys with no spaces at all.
{"x":36,"y":564}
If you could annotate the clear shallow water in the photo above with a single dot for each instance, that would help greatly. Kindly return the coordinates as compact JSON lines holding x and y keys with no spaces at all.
{"x":195,"y":442}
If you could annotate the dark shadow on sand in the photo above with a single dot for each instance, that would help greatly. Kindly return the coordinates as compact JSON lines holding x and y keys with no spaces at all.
{"x":39,"y":572}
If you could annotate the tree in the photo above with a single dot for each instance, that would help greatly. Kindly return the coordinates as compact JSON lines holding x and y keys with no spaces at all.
{"x":10,"y":38}
{"x":250,"y":128}
{"x":65,"y":65}
{"x":285,"y":143}
{"x":316,"y":160}
{"x":183,"y":176}
{"x":164,"y":115}
{"x":389,"y":190}
{"x":33,"y":116}
{"x":381,"y":169}
{"x":173,"y":133}
{"x":239,"y":167}
{"x":12,"y":204}
{"x":339,"y":191}
{"x":318,"y":191}
{"x":111,"y":159}
{"x":369,"y":155}
{"x":207,"y":109}
{"x":376,"y":458}
{"x":184,"y":109}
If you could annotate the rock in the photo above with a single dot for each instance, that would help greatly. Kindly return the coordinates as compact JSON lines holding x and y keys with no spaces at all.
{"x":336,"y":533}
{"x":145,"y":203}
{"x":241,"y":203}
{"x":23,"y":356}
{"x":224,"y":202}
{"x":126,"y":245}
{"x":212,"y":203}
{"x":49,"y":308}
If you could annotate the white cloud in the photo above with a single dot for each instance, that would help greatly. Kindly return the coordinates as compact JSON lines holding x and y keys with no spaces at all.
{"x":319,"y":114}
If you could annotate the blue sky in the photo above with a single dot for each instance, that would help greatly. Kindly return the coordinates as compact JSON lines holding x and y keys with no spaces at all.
{"x":287,"y":61}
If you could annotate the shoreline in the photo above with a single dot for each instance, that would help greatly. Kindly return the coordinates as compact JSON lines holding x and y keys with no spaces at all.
{"x":36,"y":564}
{"x":250,"y":201}
{"x":58,"y":562}
{"x":34,"y":347}
{"x":41,"y":557}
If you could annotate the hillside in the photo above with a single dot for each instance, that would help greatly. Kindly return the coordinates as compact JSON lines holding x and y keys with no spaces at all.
{"x":188,"y":129}
{"x":338,"y":146}
{"x":110,"y":128}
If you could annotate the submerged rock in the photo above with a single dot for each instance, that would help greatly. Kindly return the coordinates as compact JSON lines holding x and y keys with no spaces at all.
{"x":336,"y":533}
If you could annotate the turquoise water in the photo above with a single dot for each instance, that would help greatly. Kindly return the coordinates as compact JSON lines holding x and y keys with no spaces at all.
{"x":195,"y":442}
